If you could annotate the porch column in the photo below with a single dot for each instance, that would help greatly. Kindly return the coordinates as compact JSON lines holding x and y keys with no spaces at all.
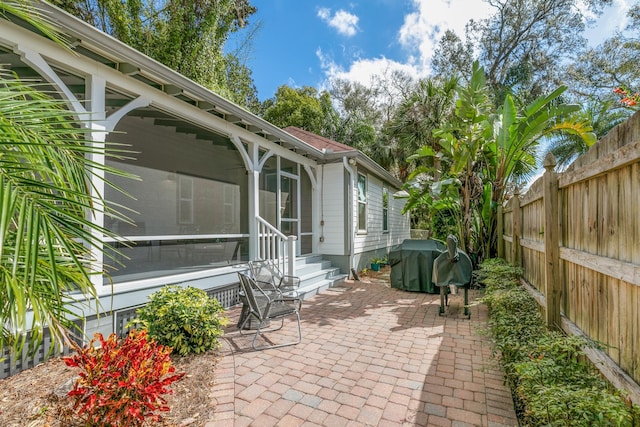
{"x":96,"y":95}
{"x":254,"y":199}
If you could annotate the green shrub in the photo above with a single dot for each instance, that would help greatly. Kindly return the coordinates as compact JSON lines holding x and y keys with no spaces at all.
{"x":185,"y":319}
{"x":551,"y":380}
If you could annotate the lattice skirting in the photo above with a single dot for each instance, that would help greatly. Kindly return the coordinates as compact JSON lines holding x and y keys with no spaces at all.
{"x":11,"y":363}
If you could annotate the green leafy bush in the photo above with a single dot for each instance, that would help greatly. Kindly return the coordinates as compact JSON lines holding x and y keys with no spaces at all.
{"x":122,"y":381}
{"x":185,"y":319}
{"x":551,"y":380}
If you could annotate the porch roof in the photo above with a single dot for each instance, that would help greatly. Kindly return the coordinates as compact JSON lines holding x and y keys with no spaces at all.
{"x":334,"y":151}
{"x":104,"y":49}
{"x":92,"y":43}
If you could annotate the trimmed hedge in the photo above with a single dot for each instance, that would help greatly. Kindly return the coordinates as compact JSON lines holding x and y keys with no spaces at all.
{"x":552,"y":382}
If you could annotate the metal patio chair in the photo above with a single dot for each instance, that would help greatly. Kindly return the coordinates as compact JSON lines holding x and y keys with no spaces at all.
{"x":264,"y":306}
{"x":266,"y":271}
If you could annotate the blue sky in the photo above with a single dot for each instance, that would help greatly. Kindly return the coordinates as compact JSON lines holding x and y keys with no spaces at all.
{"x":307,"y":42}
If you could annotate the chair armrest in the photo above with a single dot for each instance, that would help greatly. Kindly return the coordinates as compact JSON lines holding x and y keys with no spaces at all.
{"x":291,"y":282}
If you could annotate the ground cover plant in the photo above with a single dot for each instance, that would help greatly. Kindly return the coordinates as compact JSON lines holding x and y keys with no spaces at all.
{"x":552,"y":382}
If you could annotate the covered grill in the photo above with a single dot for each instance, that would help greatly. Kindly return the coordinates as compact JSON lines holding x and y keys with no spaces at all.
{"x":412,"y":264}
{"x":452,"y":270}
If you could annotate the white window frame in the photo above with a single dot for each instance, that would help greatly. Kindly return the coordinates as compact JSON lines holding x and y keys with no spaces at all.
{"x":185,"y":216}
{"x":362,"y":201}
{"x":385,"y":210}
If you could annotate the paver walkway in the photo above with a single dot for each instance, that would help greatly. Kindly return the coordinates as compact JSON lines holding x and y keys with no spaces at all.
{"x":370,"y":356}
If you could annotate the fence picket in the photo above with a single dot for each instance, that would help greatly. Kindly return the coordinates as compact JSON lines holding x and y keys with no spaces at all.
{"x":589,"y":272}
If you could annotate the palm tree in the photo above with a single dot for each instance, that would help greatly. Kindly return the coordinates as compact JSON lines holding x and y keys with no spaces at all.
{"x":430,"y":104}
{"x":46,"y":206}
{"x":483,"y":151}
{"x":603,"y":117}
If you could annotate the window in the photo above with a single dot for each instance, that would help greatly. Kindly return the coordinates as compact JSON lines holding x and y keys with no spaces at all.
{"x":185,"y":200}
{"x":231,"y":207}
{"x":188,"y":209}
{"x":362,"y":203}
{"x":385,"y":209}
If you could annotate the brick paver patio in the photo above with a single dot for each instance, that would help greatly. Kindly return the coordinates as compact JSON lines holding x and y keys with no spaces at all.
{"x":370,"y":356}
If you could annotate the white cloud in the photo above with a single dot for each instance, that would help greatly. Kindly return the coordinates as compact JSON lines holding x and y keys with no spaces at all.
{"x":418,"y":36}
{"x":363,"y":70}
{"x":423,"y":28}
{"x":614,"y":18}
{"x":344,"y":22}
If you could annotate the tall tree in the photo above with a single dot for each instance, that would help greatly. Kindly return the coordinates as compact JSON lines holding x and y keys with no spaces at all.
{"x":359,"y":114}
{"x":302,"y":107}
{"x":612,"y":64}
{"x":185,"y":35}
{"x":453,"y":56}
{"x":428,"y":108}
{"x":523,"y":44}
{"x":365,"y":110}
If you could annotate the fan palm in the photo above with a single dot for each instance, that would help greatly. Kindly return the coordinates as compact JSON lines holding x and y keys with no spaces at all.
{"x":46,"y":207}
{"x":603,"y":117}
{"x":429,"y":106}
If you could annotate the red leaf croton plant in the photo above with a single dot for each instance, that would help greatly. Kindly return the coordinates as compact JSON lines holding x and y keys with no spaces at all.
{"x":122,"y":381}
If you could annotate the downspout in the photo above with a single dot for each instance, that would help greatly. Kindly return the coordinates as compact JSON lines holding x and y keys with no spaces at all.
{"x":350,"y":227}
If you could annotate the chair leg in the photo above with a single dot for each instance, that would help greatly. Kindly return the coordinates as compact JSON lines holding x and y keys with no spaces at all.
{"x":253,"y":344}
{"x":244,"y":322}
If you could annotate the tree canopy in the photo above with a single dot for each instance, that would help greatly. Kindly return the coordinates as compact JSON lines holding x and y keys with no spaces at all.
{"x":186,"y":35}
{"x":304,"y":107}
{"x":522,"y":45}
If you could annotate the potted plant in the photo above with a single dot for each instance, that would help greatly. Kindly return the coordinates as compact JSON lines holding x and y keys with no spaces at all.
{"x":376,"y":263}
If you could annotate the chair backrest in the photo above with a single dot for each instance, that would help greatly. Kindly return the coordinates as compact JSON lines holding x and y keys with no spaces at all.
{"x":250,"y":288}
{"x":265,"y":271}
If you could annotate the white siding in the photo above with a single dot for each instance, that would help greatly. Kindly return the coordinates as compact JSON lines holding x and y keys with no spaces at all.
{"x":332,"y":210}
{"x":375,"y":239}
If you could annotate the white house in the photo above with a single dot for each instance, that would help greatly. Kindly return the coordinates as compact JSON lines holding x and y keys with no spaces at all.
{"x":218,"y":185}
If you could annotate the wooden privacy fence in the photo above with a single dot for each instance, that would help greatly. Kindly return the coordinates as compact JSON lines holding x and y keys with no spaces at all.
{"x":576,"y":234}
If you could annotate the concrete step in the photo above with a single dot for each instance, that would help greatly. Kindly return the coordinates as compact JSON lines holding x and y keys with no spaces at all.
{"x":309,"y":290}
{"x":316,"y":275}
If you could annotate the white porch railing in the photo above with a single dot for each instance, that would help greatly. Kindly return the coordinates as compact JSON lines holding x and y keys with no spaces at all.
{"x":273,"y":245}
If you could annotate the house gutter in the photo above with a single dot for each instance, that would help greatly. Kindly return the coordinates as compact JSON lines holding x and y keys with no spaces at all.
{"x":366,"y":162}
{"x":350,"y":227}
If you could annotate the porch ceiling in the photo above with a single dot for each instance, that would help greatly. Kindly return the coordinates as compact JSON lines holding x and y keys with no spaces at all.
{"x":104,"y":49}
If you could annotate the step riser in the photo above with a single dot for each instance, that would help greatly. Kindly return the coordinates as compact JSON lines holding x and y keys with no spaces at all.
{"x":309,"y":291}
{"x":316,"y":275}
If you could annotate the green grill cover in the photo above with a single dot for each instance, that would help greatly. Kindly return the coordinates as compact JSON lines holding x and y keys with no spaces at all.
{"x":452,"y":267}
{"x":412,"y":264}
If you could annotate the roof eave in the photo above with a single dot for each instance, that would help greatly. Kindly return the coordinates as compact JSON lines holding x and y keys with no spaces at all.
{"x":366,"y":162}
{"x":122,"y":53}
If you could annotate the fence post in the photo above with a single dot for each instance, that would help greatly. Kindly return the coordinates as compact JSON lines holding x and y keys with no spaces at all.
{"x":515,"y":232}
{"x":552,"y":291}
{"x":500,"y":232}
